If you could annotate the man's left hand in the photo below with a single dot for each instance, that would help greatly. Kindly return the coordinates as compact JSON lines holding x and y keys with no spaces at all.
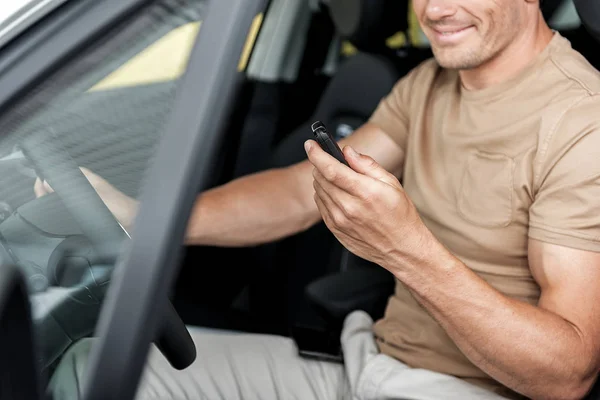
{"x":366,"y":208}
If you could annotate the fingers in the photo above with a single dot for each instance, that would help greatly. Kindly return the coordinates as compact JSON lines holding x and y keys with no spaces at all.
{"x":48,"y":188}
{"x":332,"y":220}
{"x":332,"y":170}
{"x":41,"y":188}
{"x":368,"y":166}
{"x":323,"y":210}
{"x":343,"y":210}
{"x":329,"y":214}
{"x":330,"y":207}
{"x":331,"y":193}
{"x":38,"y":188}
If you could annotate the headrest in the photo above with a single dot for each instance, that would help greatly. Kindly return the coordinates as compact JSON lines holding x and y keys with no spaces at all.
{"x":589,"y":13}
{"x":368,"y":23}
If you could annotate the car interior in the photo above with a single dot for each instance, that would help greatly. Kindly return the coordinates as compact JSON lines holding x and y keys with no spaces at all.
{"x":315,"y":280}
{"x":105,"y":110}
{"x":309,"y":280}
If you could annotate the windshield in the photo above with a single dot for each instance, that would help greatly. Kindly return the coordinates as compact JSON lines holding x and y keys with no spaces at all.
{"x":73,"y":154}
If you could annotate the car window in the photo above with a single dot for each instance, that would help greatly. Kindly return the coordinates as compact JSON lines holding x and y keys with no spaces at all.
{"x":97,"y":119}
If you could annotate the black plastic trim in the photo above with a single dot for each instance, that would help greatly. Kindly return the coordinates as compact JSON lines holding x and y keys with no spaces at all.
{"x":133,"y":307}
{"x":19,"y":372}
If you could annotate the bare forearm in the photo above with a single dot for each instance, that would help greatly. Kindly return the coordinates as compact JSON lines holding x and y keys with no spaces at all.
{"x":276,"y":203}
{"x":528,"y":349}
{"x":254,"y":209}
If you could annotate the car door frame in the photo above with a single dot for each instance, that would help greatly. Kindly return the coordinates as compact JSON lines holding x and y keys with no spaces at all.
{"x":148,"y":265}
{"x":130,"y":316}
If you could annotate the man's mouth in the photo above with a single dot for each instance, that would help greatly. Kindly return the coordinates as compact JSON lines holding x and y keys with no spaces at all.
{"x":451,"y":34}
{"x":450,"y":31}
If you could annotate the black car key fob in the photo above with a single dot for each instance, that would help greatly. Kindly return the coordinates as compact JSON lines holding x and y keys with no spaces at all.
{"x":327,"y":142}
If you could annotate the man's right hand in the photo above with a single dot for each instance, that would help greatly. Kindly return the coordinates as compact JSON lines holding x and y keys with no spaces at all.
{"x":123,"y":207}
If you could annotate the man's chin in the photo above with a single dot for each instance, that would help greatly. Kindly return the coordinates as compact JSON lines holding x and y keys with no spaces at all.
{"x":455,"y":59}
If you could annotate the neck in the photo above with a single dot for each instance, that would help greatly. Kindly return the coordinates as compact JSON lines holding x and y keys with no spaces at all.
{"x":510,"y":61}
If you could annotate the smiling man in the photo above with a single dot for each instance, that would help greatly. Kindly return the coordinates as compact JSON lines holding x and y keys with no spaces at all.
{"x":494,"y":235}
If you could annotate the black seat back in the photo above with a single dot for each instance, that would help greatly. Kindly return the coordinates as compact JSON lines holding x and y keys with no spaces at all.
{"x":368,"y":23}
{"x":347,"y":102}
{"x":589,"y":13}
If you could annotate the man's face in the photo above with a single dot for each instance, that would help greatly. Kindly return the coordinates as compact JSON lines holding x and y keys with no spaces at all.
{"x":465,"y":34}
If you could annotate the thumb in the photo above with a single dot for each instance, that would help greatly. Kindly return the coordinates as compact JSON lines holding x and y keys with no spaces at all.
{"x":368,"y":166}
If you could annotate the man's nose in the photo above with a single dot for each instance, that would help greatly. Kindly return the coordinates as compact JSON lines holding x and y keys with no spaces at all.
{"x":440,"y":9}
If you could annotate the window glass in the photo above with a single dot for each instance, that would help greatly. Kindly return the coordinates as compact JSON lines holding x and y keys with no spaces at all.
{"x":96,"y":120}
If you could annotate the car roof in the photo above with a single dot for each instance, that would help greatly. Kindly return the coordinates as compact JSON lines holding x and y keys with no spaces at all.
{"x":18,"y":15}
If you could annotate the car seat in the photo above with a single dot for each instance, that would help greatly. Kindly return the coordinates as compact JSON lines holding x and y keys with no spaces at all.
{"x":582,"y":38}
{"x":365,"y":286}
{"x":347,"y":102}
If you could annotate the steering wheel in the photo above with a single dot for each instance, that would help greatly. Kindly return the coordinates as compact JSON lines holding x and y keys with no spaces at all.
{"x":95,"y":252}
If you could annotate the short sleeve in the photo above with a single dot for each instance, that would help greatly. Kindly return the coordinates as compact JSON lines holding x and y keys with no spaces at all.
{"x":393,"y":111}
{"x":566,"y":206}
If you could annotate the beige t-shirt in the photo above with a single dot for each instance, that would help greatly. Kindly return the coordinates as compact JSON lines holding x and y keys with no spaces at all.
{"x":487,"y":170}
